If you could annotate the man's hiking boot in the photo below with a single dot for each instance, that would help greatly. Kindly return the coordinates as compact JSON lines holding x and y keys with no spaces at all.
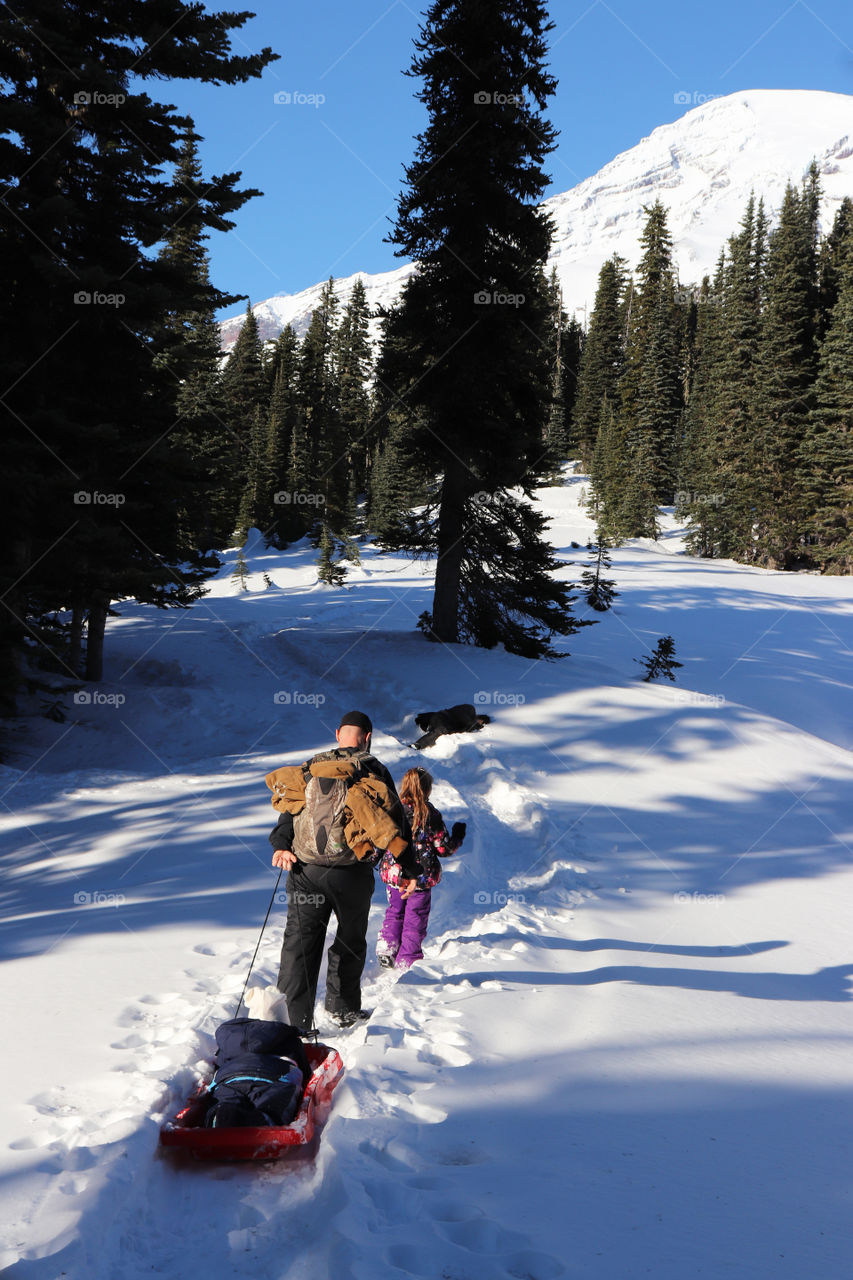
{"x":387,"y":961}
{"x":349,"y":1017}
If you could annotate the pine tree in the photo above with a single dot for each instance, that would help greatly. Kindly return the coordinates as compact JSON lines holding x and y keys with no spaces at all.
{"x":650,"y":389}
{"x":355,"y":368}
{"x":95,"y":481}
{"x":826,"y":454}
{"x":602,"y":360}
{"x":190,"y":351}
{"x":661,"y":662}
{"x":475,"y":316}
{"x":698,"y":460}
{"x":600,"y":592}
{"x":282,"y":421}
{"x":830,"y":265}
{"x":401,"y":496}
{"x":321,"y":474}
{"x":244,"y":393}
{"x":785,"y":373}
{"x":329,"y":569}
{"x":717,"y":473}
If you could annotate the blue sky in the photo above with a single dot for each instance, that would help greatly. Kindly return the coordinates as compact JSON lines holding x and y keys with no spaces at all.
{"x":330,"y":160}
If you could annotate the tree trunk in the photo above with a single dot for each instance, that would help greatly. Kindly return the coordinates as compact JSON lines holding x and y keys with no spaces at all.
{"x":448,"y":569}
{"x":98,"y":607}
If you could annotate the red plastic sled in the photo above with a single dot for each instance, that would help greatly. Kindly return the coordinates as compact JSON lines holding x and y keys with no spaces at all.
{"x":187,"y":1132}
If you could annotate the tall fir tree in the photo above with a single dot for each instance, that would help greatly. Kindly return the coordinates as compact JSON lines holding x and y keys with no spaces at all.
{"x":189,"y":349}
{"x":323,"y":470}
{"x":826,"y":452}
{"x":402,"y":483}
{"x":785,"y":373}
{"x":831,"y":264}
{"x":94,"y":481}
{"x":602,"y":361}
{"x":650,"y":388}
{"x":355,"y":369}
{"x":244,"y":392}
{"x":474,"y":317}
{"x":282,"y":422}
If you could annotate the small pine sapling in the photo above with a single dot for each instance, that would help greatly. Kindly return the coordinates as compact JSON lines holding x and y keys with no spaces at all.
{"x":662,"y":661}
{"x":241,"y":572}
{"x":600,"y":592}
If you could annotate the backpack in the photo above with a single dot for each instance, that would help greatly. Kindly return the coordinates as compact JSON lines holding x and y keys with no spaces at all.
{"x":318,"y":831}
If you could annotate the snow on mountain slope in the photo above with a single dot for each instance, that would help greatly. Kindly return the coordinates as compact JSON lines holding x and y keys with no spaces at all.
{"x":295,"y":309}
{"x":703,"y":167}
{"x":627,"y":1050}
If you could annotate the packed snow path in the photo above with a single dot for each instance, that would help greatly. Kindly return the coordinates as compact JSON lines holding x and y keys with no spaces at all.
{"x":627,"y":1051}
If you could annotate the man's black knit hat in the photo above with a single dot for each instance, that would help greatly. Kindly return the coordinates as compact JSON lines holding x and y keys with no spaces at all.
{"x":357,"y":718}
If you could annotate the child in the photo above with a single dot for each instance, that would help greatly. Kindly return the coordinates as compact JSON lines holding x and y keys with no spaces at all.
{"x":406,"y":919}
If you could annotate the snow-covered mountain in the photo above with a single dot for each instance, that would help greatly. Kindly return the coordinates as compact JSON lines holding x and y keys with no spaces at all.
{"x":703,"y":167}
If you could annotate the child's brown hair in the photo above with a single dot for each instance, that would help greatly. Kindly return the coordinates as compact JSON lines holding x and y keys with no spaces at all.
{"x":414,"y":790}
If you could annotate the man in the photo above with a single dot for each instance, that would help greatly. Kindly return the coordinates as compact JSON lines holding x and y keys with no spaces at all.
{"x":326,"y":876}
{"x":463,"y":718}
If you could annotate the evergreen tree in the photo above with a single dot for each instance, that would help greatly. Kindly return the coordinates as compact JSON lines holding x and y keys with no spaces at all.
{"x":698,"y":462}
{"x":717,"y":471}
{"x":401,"y":496}
{"x":355,"y":368}
{"x":567,"y":346}
{"x":602,"y":360}
{"x":282,"y":423}
{"x":474,"y":317}
{"x":600,"y":592}
{"x":322,"y":471}
{"x":826,"y":454}
{"x":661,"y":662}
{"x":190,"y":350}
{"x":255,"y":503}
{"x":830,"y":265}
{"x":650,"y":390}
{"x":95,"y":483}
{"x":244,"y":394}
{"x":785,"y":373}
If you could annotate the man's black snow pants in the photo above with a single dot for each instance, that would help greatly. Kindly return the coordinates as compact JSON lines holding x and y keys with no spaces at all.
{"x":314,"y":892}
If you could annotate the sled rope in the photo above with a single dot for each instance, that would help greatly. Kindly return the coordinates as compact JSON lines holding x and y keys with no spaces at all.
{"x":255,"y":956}
{"x":312,"y":1033}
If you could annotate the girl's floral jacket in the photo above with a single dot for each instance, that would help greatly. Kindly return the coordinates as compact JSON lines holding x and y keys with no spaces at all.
{"x":429,"y":843}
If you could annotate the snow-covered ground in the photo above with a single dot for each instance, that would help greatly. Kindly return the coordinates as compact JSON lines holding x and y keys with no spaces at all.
{"x":628,"y":1050}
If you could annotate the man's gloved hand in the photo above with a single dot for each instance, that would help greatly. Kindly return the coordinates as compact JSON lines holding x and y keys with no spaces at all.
{"x":457,"y":831}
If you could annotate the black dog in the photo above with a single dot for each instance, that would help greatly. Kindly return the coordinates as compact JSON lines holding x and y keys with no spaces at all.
{"x":464,"y":718}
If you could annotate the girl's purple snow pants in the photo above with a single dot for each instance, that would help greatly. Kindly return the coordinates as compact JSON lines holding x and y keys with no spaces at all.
{"x":405,"y":925}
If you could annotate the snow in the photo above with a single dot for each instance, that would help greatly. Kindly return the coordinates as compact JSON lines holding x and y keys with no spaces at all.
{"x":627,"y":1049}
{"x":703,"y":167}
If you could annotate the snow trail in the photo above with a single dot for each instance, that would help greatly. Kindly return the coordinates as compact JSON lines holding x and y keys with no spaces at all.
{"x":626,"y":1051}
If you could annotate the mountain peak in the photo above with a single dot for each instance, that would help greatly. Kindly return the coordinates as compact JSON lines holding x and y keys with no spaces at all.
{"x":702,"y":166}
